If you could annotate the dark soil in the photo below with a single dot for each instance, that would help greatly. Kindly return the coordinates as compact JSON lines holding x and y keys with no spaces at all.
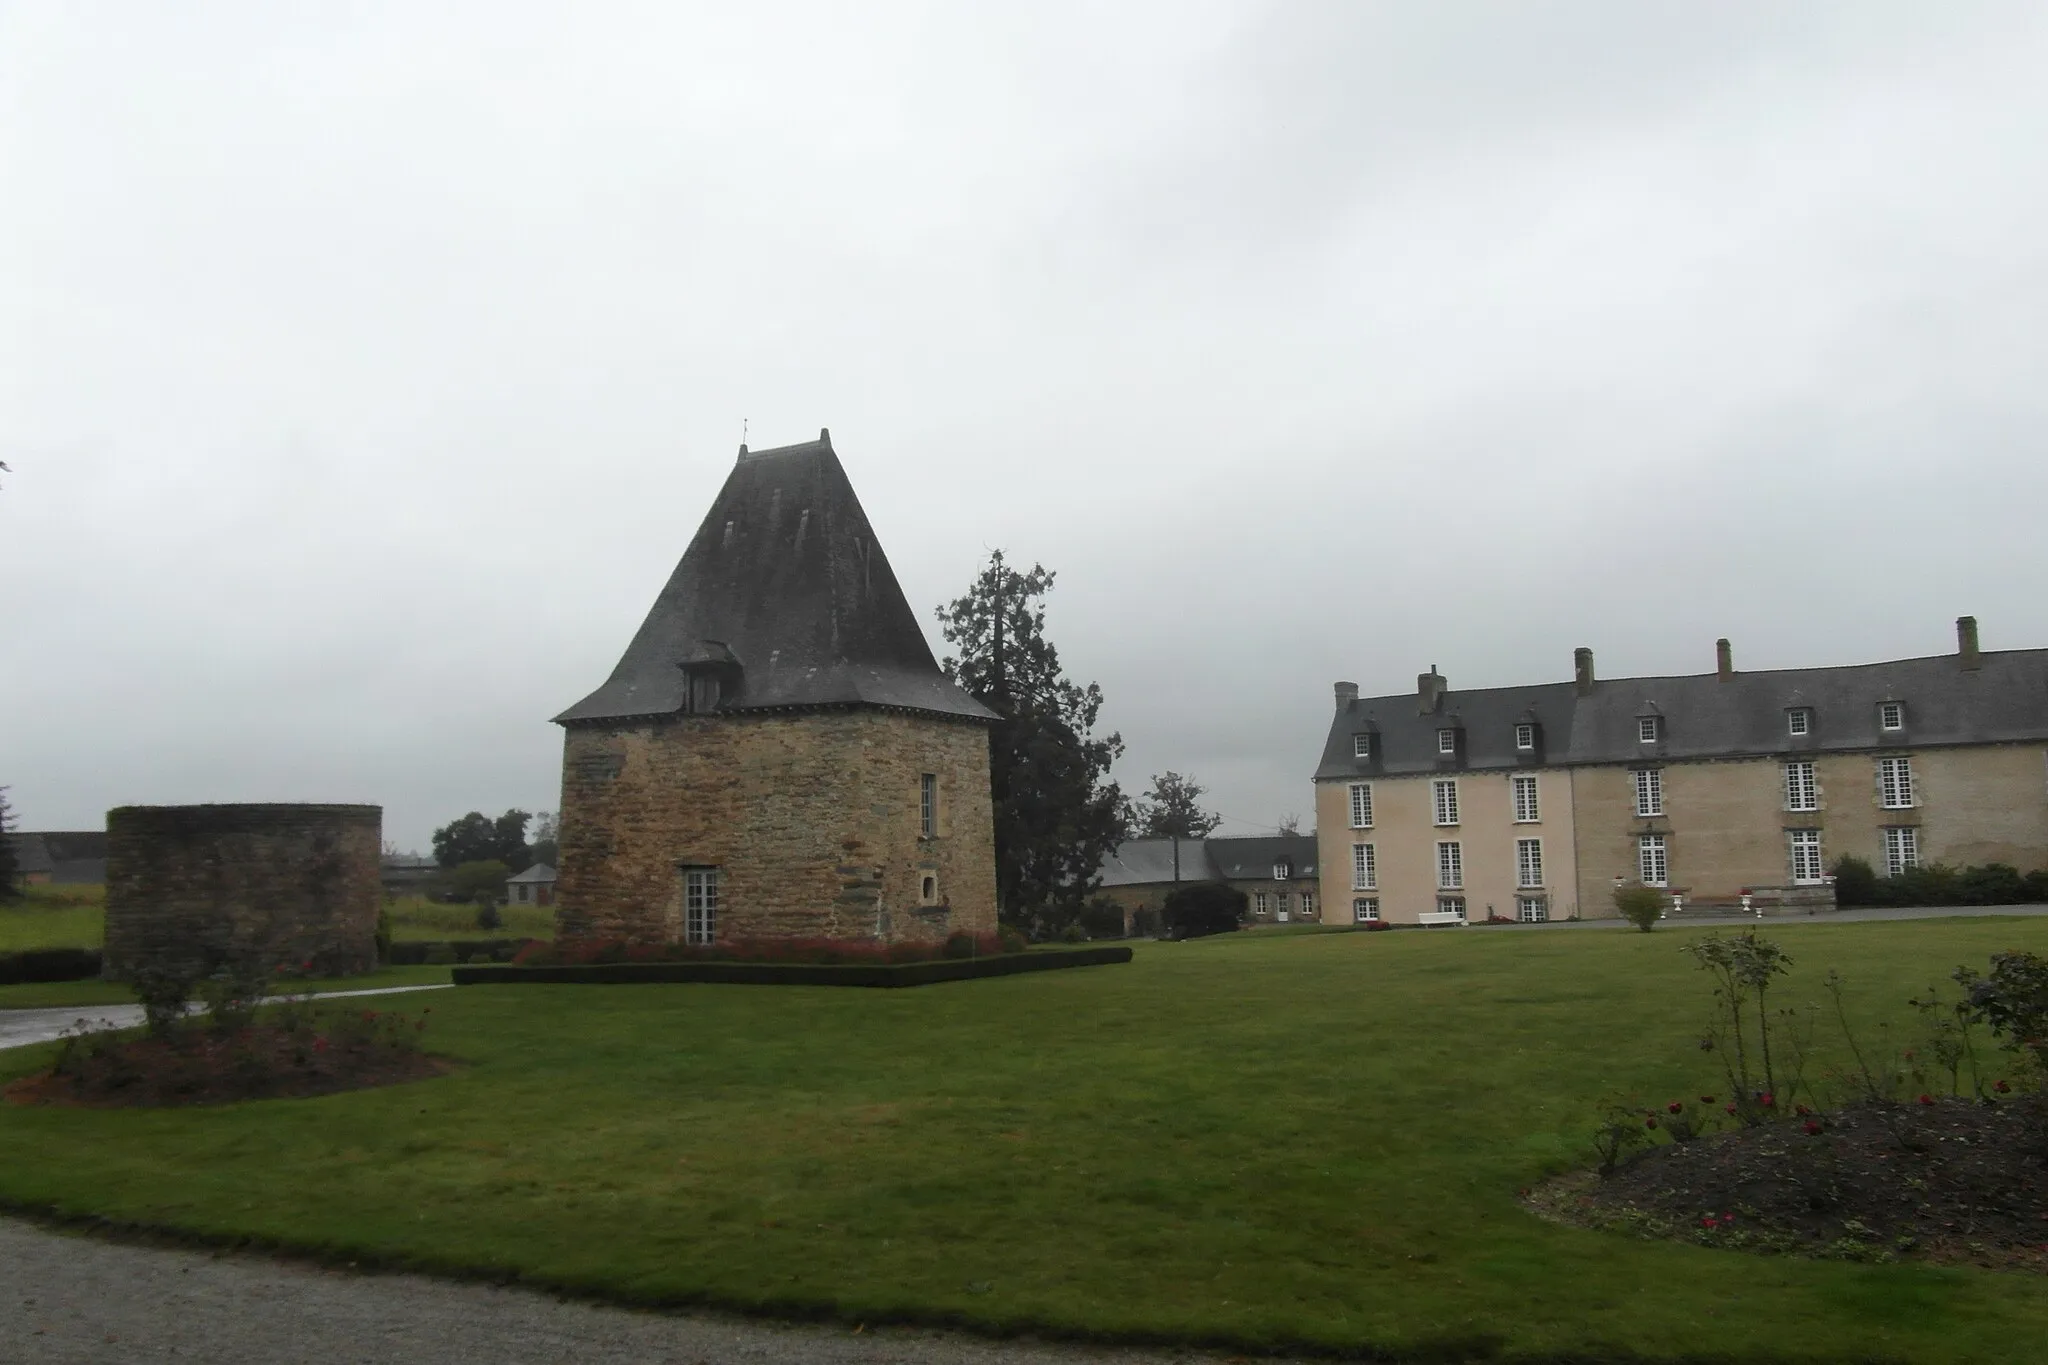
{"x":1952,"y":1180}
{"x":200,"y":1066}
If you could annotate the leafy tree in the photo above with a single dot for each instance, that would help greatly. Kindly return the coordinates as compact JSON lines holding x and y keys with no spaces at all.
{"x":482,"y":880}
{"x":10,"y":866}
{"x":1172,"y":809}
{"x":1057,"y":814}
{"x":1205,"y":908}
{"x":546,"y":846}
{"x":477,"y":838}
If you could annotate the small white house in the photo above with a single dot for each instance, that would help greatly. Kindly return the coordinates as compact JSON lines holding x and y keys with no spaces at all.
{"x":535,"y":886}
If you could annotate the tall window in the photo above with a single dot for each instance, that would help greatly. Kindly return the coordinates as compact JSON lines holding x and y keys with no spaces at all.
{"x":1651,"y":867}
{"x":1283,"y":903}
{"x":1361,"y":746}
{"x":1531,"y":909}
{"x":1528,"y":862}
{"x":1646,"y":729}
{"x":928,"y":805}
{"x":1361,"y":805}
{"x":1447,"y":741}
{"x":1446,"y":793}
{"x":1365,"y":909}
{"x":1649,"y":791}
{"x":1525,"y":799}
{"x":1801,"y":792}
{"x":1798,"y":720}
{"x":1308,"y":905}
{"x":1261,"y":904}
{"x":1895,"y":783}
{"x":1901,"y":849}
{"x":1525,"y":736}
{"x":1806,"y":868}
{"x":700,"y":905}
{"x":1892,"y":716}
{"x":1450,"y":866}
{"x":1365,"y":873}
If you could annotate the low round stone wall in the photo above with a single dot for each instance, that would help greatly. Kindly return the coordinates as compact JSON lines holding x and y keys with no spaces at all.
{"x":288,"y":885}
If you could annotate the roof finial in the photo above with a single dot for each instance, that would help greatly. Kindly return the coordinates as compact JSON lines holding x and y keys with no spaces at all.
{"x":743,"y":438}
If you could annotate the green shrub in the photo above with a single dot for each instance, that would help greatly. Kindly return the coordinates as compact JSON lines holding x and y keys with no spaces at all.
{"x":1074,"y":933}
{"x":2012,"y":1000}
{"x":384,"y":933}
{"x":487,"y":916}
{"x":1641,"y":906}
{"x":1855,"y":882}
{"x":439,"y":955}
{"x":1992,"y":884}
{"x":1103,"y":918}
{"x":1011,"y":940}
{"x":1205,"y":908}
{"x":960,"y":943}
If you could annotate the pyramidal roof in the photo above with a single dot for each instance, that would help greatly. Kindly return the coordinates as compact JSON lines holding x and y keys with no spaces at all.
{"x":786,"y":595}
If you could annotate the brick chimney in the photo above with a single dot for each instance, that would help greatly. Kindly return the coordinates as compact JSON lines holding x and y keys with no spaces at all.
{"x":1429,"y":690}
{"x":1724,"y":659}
{"x":1347,"y":693}
{"x":1582,"y":669}
{"x":1967,"y":653}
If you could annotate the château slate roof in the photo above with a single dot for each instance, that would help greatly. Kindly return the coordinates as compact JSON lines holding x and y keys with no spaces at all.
{"x":1146,"y":862}
{"x":1251,"y":858}
{"x":1703,"y":715}
{"x":786,"y":581}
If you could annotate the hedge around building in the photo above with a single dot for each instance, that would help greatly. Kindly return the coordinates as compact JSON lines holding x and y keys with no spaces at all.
{"x":48,"y":964}
{"x":792,"y":973}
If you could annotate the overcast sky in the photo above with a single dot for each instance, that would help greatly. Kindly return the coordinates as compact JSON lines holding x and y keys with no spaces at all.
{"x":365,"y":368}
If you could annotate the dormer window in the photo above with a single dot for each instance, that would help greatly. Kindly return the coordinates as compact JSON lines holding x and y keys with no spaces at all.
{"x":1648,"y":729}
{"x":1891,"y":716}
{"x":700,"y":691}
{"x":1282,"y":870}
{"x":1361,"y":746}
{"x":1447,"y":741}
{"x":1799,"y":721}
{"x":1525,"y":736}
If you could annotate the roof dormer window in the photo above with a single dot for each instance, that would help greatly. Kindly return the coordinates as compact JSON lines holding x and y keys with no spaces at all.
{"x":1649,"y":729}
{"x":1282,"y":869}
{"x":1891,"y":715}
{"x":1799,"y":720}
{"x":1525,"y":736}
{"x":1447,"y":741}
{"x":1361,"y":746}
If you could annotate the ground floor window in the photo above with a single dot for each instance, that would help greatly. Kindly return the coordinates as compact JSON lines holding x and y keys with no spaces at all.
{"x":1806,"y":863}
{"x":1308,"y":905}
{"x":1901,"y":849}
{"x":1450,"y":865}
{"x":1531,"y":909}
{"x":1261,"y":905}
{"x":1365,"y":910}
{"x":1528,"y":862}
{"x":1283,"y":903}
{"x":525,"y":893}
{"x":1451,"y":905}
{"x":700,"y":905}
{"x":1652,"y":868}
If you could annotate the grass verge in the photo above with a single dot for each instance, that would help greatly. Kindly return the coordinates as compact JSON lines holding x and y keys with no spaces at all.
{"x":87,"y":994}
{"x":1288,"y":1141}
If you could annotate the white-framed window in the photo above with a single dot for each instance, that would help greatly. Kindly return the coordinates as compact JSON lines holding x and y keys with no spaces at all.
{"x":1361,"y":746}
{"x":1365,"y":872}
{"x":1365,"y":909}
{"x":1527,"y":811}
{"x":1649,"y":791}
{"x":1532,"y":909}
{"x":1895,"y":783}
{"x":525,"y":893}
{"x":1806,"y":864}
{"x":1798,"y":720}
{"x":1901,"y":849}
{"x":1283,"y":903}
{"x":1525,"y":736}
{"x":1801,"y":791}
{"x":1528,"y":862}
{"x":1282,"y":869}
{"x":1447,"y":741}
{"x":1652,"y":869}
{"x":700,"y":905}
{"x":1451,"y":905}
{"x":928,"y":805}
{"x":1646,"y":729}
{"x":1450,"y":865}
{"x":1445,"y":792}
{"x":1262,"y":904}
{"x":1361,"y":805}
{"x":1891,"y":716}
{"x":1308,"y":905}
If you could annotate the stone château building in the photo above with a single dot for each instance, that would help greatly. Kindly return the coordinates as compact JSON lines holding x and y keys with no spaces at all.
{"x":777,"y":754}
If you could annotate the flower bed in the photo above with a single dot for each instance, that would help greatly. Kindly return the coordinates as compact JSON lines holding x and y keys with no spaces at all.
{"x":732,"y":970}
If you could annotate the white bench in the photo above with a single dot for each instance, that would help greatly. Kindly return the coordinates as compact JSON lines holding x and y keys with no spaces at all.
{"x":1435,"y":917}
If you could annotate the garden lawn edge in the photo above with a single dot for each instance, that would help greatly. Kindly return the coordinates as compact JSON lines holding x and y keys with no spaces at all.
{"x":370,"y":1260}
{"x":790,"y":973}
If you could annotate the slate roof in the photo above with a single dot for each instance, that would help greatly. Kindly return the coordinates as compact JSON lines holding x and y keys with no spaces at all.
{"x":31,"y":854}
{"x":1252,"y":859}
{"x":539,"y":872}
{"x":1143,"y":862}
{"x":786,"y":580}
{"x":2004,"y":699}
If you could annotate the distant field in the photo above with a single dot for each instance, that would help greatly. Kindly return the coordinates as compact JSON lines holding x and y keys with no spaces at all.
{"x":76,"y":917}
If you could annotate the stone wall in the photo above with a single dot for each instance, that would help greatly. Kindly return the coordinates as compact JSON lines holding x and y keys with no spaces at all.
{"x":288,"y":884}
{"x":811,"y":818}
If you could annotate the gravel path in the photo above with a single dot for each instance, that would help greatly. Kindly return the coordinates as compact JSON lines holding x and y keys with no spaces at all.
{"x":19,"y":1028}
{"x":68,"y":1298}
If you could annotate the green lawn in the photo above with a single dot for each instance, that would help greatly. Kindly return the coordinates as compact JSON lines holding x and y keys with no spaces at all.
{"x":1311,"y":1138}
{"x":75,"y":917}
{"x":53,"y":994}
{"x":415,"y":919}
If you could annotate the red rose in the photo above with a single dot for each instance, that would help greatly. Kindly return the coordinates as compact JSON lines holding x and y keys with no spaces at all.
{"x":1812,"y":1128}
{"x":1731,"y":1108}
{"x":319,"y":1045}
{"x":1765,"y":1100}
{"x":1927,"y":1099}
{"x":1650,"y":1122}
{"x":1676,"y":1107}
{"x":2001,"y":1087}
{"x":1706,"y":1099}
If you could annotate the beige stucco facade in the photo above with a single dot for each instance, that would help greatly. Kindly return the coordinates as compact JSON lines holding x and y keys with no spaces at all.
{"x":1405,"y":836}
